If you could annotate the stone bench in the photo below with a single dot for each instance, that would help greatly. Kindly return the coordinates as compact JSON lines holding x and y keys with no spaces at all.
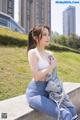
{"x":17,"y":108}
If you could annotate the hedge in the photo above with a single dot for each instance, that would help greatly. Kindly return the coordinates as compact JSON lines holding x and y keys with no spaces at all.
{"x":8,"y":37}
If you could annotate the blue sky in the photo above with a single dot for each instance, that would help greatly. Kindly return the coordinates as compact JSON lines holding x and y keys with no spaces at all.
{"x":56,"y":15}
{"x":16,"y":10}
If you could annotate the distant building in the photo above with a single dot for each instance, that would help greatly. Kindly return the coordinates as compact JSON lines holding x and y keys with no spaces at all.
{"x":7,"y":6}
{"x":8,"y":21}
{"x":34,"y":12}
{"x":69,"y":22}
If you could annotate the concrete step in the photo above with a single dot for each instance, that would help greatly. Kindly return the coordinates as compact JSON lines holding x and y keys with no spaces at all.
{"x":17,"y":108}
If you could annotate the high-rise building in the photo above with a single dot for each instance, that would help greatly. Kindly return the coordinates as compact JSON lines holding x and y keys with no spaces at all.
{"x":7,"y":6}
{"x":34,"y":12}
{"x":69,"y":21}
{"x":6,"y":21}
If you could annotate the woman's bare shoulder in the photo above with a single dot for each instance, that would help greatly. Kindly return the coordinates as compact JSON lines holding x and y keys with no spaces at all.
{"x":32,"y":55}
{"x":31,"y":52}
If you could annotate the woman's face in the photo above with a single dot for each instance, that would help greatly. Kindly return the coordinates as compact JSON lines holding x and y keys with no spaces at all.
{"x":44,"y":41}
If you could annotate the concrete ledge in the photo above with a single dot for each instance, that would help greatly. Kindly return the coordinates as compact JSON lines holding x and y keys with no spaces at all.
{"x":17,"y":108}
{"x":73,"y":90}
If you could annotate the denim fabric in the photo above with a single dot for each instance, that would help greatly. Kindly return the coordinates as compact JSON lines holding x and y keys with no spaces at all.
{"x":39,"y":99}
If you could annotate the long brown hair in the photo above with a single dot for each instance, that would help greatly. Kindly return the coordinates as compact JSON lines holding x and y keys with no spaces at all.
{"x":35,"y":33}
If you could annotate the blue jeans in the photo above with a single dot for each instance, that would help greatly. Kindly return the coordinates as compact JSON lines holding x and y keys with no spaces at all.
{"x":38,"y":99}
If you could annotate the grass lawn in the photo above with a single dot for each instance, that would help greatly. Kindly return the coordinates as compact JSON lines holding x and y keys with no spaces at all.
{"x":68,"y":66}
{"x":15,"y":71}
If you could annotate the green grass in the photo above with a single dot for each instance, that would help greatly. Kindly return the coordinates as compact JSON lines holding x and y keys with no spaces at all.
{"x":68,"y":66}
{"x":15,"y":72}
{"x":8,"y":33}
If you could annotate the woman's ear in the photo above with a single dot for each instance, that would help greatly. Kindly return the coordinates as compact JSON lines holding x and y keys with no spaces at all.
{"x":35,"y":38}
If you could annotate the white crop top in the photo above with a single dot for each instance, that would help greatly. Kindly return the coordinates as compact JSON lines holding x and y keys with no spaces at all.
{"x":42,"y":63}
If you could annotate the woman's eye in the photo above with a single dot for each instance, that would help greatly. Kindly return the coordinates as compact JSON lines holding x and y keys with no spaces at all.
{"x":45,"y":34}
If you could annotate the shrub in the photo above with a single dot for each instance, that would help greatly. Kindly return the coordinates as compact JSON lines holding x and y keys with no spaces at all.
{"x":8,"y":37}
{"x":58,"y":47}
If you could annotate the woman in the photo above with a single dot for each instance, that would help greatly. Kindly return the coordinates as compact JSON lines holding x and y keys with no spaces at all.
{"x":44,"y":68}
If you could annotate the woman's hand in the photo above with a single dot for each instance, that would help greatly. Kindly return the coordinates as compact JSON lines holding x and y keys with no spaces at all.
{"x":52,"y":62}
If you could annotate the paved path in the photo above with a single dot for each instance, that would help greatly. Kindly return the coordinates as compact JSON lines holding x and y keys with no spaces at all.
{"x":69,"y":86}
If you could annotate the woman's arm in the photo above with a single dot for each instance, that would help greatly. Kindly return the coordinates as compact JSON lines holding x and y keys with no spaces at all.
{"x":52,"y":59}
{"x":33,"y":60}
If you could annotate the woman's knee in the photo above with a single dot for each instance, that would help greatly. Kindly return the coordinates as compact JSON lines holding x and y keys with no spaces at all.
{"x":32,"y":102}
{"x":44,"y":105}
